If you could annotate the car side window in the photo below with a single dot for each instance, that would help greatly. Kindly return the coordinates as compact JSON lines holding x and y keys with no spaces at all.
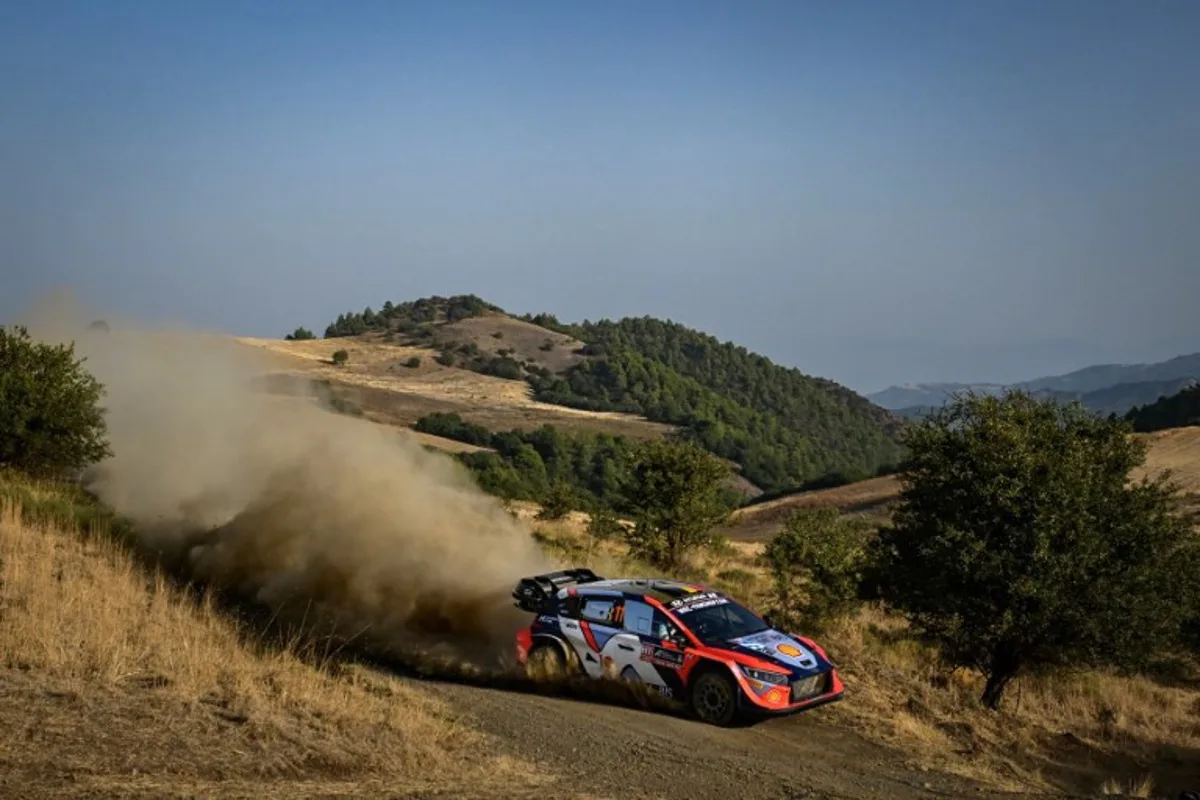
{"x":665,"y":629}
{"x":603,"y":610}
{"x":645,"y":620}
{"x":639,"y":618}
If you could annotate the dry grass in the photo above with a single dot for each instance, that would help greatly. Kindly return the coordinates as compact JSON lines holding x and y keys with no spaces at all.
{"x":112,"y":678}
{"x":1068,"y":731}
{"x":393,"y":393}
{"x":1177,"y":450}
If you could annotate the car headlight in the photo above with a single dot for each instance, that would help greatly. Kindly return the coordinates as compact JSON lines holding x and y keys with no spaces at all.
{"x":765,"y":676}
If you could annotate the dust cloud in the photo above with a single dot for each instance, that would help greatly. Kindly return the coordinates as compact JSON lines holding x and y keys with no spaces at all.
{"x":313,"y":515}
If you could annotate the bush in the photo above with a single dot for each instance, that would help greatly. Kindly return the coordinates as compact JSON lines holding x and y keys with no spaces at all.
{"x":50,"y":419}
{"x":675,"y":491}
{"x":413,"y":362}
{"x":816,"y":565}
{"x":503,"y":367}
{"x":445,"y":358}
{"x":604,"y":525}
{"x":340,"y":357}
{"x":300,"y":334}
{"x":1021,"y":543}
{"x":558,"y":502}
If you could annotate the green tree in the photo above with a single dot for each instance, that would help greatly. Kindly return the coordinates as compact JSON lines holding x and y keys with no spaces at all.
{"x":816,"y":563}
{"x":50,"y":419}
{"x":604,"y":525}
{"x":300,"y":334}
{"x":340,"y":357}
{"x":1021,"y":543}
{"x":674,"y":491}
{"x":558,"y":501}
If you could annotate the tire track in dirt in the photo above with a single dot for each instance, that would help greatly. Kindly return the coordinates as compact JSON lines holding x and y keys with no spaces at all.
{"x":609,"y":750}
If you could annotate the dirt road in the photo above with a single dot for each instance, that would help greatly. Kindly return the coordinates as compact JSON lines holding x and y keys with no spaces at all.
{"x":612,"y":751}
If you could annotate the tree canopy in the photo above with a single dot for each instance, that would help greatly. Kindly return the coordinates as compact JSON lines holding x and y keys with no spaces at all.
{"x":674,"y":491}
{"x":784,"y":428}
{"x":1173,"y":411}
{"x":1020,"y":542}
{"x":50,"y":419}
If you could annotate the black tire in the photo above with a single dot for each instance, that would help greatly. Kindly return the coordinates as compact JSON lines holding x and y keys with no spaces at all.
{"x":714,"y":697}
{"x":546,"y":663}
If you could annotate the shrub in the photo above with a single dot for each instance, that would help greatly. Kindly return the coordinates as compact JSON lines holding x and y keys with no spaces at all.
{"x":1021,"y":543}
{"x":300,"y":334}
{"x":674,"y":489}
{"x":604,"y":525}
{"x":340,"y":357}
{"x":816,"y":565}
{"x":413,"y":362}
{"x":558,"y":501}
{"x":50,"y":419}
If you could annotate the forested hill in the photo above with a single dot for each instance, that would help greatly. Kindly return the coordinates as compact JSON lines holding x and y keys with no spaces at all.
{"x":783,"y":427}
{"x":1176,"y":411}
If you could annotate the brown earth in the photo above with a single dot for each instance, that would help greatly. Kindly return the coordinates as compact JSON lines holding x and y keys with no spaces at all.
{"x":521,"y":340}
{"x":376,"y":377}
{"x":1177,"y":450}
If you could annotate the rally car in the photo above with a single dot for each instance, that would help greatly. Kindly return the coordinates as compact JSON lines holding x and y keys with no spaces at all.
{"x":695,"y":646}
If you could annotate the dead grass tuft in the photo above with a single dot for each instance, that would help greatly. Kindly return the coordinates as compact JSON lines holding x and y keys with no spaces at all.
{"x":80,"y":622}
{"x":898,"y":691}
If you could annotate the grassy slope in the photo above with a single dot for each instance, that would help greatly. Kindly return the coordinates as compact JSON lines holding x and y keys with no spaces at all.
{"x":112,"y":681}
{"x":393,"y":393}
{"x":1177,"y":450}
{"x":1075,"y":733}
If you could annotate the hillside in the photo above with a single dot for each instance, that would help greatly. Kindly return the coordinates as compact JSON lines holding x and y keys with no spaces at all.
{"x":781,"y":426}
{"x":1105,"y":388}
{"x":1177,"y":450}
{"x":114,"y":683}
{"x":1174,"y":411}
{"x":1118,"y":399}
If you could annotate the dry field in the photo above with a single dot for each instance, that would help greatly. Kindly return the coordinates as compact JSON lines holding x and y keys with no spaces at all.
{"x":377,"y":379}
{"x":1177,"y":450}
{"x":492,"y":333}
{"x":114,"y":682}
{"x":1076,"y":733}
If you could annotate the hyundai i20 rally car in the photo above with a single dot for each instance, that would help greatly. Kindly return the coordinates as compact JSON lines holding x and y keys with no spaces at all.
{"x":695,"y":646}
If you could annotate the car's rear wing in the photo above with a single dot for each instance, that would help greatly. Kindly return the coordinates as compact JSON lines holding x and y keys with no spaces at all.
{"x":532,"y":593}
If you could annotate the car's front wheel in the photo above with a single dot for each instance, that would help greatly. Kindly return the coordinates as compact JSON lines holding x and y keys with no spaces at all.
{"x":714,"y":697}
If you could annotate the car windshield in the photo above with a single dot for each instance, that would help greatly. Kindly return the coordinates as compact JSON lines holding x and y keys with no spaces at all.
{"x":715,"y":618}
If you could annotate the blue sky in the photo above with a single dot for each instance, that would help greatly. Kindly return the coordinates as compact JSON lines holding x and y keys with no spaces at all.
{"x":874,"y":192}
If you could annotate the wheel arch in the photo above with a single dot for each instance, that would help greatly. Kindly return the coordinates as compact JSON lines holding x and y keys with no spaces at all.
{"x":550,"y":640}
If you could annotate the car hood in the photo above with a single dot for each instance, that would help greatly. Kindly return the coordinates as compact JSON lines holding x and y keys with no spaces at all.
{"x":784,"y":650}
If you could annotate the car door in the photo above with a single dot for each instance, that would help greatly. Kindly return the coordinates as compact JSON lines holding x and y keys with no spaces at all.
{"x":636,"y":644}
{"x":600,"y":617}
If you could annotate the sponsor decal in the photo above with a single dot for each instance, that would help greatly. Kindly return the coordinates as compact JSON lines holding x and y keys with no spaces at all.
{"x":546,"y":619}
{"x":774,"y":644}
{"x":685,"y":605}
{"x":654,"y":654}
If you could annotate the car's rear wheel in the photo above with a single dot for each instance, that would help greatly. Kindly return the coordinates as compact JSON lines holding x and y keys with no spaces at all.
{"x":714,"y":697}
{"x":546,"y":662}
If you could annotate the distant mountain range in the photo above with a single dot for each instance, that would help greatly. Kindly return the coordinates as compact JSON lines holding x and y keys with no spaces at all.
{"x":1106,"y":388}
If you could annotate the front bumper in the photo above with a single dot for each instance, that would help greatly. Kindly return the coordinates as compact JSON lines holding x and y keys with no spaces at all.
{"x":798,"y":695}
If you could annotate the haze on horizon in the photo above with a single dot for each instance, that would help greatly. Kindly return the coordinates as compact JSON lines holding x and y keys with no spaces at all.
{"x":873,"y":192}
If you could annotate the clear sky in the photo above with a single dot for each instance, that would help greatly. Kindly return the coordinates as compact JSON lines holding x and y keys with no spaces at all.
{"x":874,"y":192}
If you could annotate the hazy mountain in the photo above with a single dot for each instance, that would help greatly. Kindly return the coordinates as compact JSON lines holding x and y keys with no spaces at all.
{"x":1102,"y":387}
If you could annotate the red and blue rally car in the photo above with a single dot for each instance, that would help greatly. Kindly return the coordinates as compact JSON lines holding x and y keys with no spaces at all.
{"x":695,"y":646}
